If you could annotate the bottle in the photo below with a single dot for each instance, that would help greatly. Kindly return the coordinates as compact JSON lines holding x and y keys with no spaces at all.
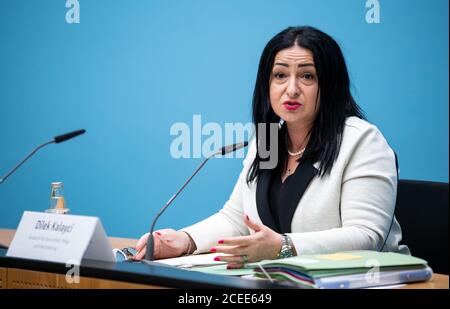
{"x":57,"y":201}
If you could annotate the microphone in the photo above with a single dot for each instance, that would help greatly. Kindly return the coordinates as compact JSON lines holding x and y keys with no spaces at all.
{"x":149,"y":255}
{"x":230,"y":148}
{"x":64,"y":137}
{"x":56,"y":140}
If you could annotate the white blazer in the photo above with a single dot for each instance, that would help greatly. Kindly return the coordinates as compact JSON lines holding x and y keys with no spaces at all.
{"x":349,"y":209}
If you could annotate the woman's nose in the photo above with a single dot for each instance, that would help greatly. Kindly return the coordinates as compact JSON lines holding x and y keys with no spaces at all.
{"x":293,"y":91}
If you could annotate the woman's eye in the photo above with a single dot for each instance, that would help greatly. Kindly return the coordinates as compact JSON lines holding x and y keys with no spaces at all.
{"x":308,"y":76}
{"x":279,"y":75}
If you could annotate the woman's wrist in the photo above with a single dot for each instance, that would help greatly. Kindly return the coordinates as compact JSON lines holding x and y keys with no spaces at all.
{"x":287,"y":248}
{"x":294,"y":251}
{"x":191,"y":246}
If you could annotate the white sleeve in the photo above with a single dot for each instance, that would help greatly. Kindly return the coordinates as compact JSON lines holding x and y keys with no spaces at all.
{"x":368,"y":195}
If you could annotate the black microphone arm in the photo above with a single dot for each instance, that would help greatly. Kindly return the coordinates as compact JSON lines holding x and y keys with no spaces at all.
{"x":149,"y":254}
{"x":56,"y":140}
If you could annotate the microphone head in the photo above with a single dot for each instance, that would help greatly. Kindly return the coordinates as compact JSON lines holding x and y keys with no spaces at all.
{"x":230,"y":148}
{"x":65,"y":137}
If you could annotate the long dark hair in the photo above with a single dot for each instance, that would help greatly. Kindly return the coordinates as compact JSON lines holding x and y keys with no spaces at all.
{"x":336,"y":101}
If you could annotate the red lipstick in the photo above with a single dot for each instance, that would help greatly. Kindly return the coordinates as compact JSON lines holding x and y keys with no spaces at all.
{"x":291,"y":105}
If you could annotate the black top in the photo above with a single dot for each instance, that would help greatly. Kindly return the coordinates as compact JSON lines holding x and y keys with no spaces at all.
{"x":280,"y":194}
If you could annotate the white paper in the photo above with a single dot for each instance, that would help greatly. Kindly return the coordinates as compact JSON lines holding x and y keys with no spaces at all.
{"x":193,"y":260}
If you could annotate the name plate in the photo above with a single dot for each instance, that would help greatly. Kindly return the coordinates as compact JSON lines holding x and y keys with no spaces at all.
{"x":60,"y":238}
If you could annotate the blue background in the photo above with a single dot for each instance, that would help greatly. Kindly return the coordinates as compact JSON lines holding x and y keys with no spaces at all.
{"x":131,"y":69}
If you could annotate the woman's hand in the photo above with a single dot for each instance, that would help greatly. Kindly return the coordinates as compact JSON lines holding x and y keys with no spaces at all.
{"x":167,"y":243}
{"x":263,"y":244}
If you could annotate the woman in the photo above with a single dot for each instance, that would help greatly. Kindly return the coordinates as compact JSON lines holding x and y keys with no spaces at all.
{"x":334,"y":187}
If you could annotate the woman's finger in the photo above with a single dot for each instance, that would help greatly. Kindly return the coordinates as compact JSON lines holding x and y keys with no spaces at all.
{"x":231,"y":259}
{"x":141,"y":253}
{"x":235,"y":265}
{"x":253,"y":225}
{"x":237,"y":241}
{"x":142,"y":241}
{"x":156,"y":246}
{"x":236,"y":250}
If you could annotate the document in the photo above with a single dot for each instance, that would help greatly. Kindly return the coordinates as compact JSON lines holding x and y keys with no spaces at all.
{"x":190,"y":261}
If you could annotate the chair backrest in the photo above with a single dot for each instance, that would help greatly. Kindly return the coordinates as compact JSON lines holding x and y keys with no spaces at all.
{"x":422,"y":211}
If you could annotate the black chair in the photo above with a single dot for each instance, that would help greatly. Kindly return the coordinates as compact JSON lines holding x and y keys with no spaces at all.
{"x":422,"y":211}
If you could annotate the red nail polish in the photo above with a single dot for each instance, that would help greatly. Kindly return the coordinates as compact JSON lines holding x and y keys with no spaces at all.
{"x":158,"y":233}
{"x":217,"y":258}
{"x":247,"y":217}
{"x":220,"y":241}
{"x":212,"y":249}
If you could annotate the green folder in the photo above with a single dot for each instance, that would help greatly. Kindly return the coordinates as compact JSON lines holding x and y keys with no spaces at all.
{"x":345,"y":263}
{"x":325,"y":265}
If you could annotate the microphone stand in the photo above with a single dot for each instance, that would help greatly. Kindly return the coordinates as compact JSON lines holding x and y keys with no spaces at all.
{"x":149,"y":254}
{"x":58,"y":139}
{"x":23,"y":161}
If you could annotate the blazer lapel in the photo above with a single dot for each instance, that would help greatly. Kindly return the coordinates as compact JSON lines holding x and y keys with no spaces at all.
{"x":302,"y":177}
{"x":262,"y":200}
